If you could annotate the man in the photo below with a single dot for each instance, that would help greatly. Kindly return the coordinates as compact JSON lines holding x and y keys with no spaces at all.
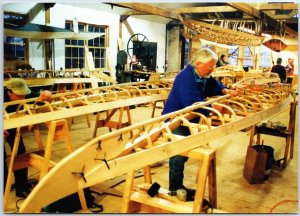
{"x":280,"y":70}
{"x":192,"y":84}
{"x":289,"y":69}
{"x":222,"y":61}
{"x":16,"y":89}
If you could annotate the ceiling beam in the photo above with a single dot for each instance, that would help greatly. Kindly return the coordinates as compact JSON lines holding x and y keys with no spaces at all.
{"x":147,"y":8}
{"x":281,"y":16}
{"x":134,"y":13}
{"x":276,"y":6}
{"x":247,"y":9}
{"x":205,"y":9}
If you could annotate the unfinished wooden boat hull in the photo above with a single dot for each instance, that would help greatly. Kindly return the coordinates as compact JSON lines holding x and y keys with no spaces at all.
{"x":114,"y":154}
{"x":85,"y":101}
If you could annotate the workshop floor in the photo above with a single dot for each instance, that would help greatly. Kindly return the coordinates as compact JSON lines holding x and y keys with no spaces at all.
{"x":234,"y":193}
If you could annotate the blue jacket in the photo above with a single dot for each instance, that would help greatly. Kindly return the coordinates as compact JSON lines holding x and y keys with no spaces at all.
{"x":189,"y":88}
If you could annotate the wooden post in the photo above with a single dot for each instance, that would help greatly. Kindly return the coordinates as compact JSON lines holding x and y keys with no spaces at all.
{"x":10,"y":167}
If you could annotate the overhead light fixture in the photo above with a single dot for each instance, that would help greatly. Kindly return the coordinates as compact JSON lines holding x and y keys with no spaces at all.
{"x":276,"y":45}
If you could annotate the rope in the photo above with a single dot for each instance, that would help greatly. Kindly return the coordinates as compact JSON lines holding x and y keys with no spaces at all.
{"x":280,"y":203}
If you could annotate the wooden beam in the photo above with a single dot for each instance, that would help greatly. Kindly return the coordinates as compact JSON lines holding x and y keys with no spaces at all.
{"x":249,"y":10}
{"x":147,"y":8}
{"x":276,"y":6}
{"x":246,"y":8}
{"x":281,"y":16}
{"x":134,"y":13}
{"x":205,"y":9}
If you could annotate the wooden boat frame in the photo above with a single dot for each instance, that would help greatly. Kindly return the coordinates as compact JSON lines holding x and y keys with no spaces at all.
{"x":111,"y":155}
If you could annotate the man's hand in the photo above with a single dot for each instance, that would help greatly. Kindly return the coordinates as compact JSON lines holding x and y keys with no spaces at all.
{"x":226,"y":91}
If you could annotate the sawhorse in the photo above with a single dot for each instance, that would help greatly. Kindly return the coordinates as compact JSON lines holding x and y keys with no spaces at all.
{"x":136,"y":200}
{"x":58,"y":130}
{"x":113,"y":124}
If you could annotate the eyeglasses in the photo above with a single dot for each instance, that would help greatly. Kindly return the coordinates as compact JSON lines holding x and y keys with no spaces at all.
{"x":208,"y":67}
{"x":211,"y":67}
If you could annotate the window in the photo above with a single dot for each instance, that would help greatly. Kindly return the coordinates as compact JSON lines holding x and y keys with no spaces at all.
{"x":15,"y":47}
{"x":233,"y":54}
{"x":248,"y":57}
{"x":75,"y":52}
{"x":205,"y":45}
{"x":265,"y":57}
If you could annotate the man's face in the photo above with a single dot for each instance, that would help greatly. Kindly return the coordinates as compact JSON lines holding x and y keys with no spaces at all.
{"x":205,"y":69}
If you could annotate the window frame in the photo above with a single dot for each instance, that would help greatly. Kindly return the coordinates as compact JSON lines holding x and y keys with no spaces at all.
{"x":25,"y":41}
{"x":85,"y":27}
{"x":248,"y":58}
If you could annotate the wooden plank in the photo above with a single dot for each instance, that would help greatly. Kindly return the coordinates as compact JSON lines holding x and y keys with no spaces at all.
{"x":96,"y":172}
{"x":253,"y":12}
{"x":210,"y":9}
{"x":246,"y":8}
{"x":276,"y":6}
{"x":147,"y":8}
{"x":160,"y":203}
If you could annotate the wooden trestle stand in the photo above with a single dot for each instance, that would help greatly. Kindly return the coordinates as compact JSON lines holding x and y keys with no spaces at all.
{"x":288,"y":134}
{"x":136,"y":199}
{"x":58,"y":130}
{"x":113,"y":124}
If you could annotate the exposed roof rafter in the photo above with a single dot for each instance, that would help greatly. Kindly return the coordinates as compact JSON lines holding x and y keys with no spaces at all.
{"x":147,"y":8}
{"x":206,"y":9}
{"x":248,"y":9}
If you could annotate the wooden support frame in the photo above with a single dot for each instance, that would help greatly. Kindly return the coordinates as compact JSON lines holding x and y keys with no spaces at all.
{"x":288,"y":134}
{"x":137,"y":200}
{"x":107,"y":122}
{"x":41,"y":159}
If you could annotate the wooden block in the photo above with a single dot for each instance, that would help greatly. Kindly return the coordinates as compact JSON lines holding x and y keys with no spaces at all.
{"x":255,"y":163}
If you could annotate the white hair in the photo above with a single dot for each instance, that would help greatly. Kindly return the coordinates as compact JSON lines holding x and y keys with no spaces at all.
{"x":204,"y":55}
